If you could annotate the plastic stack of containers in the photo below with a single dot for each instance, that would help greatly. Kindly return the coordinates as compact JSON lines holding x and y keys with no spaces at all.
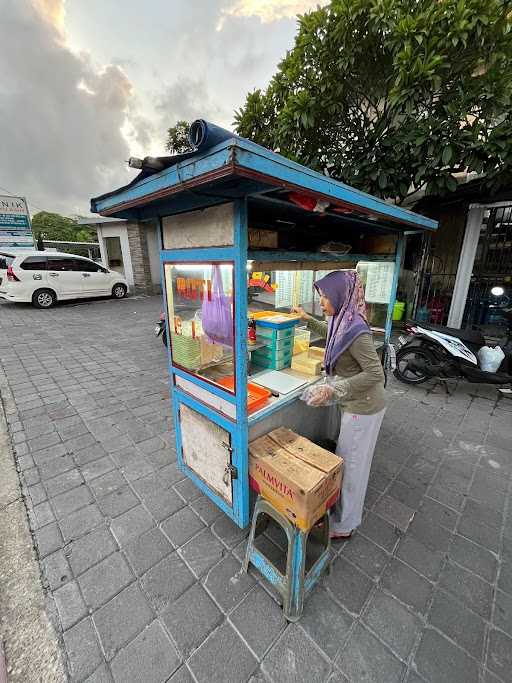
{"x":277,"y":333}
{"x":301,"y":340}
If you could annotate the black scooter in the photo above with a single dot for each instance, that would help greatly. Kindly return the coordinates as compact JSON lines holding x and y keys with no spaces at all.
{"x":436,"y":352}
{"x":161,"y":330}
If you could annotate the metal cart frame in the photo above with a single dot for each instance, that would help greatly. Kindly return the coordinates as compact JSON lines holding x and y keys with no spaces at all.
{"x":244,"y":174}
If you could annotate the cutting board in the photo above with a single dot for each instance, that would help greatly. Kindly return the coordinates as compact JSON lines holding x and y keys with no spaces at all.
{"x":279,"y":381}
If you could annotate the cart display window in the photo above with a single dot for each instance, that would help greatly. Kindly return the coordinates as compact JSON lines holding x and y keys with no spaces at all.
{"x":280,"y":290}
{"x":200,"y":309}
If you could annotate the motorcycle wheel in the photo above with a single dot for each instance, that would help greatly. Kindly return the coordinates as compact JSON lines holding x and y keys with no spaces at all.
{"x":407,"y":354}
{"x":164,"y":338}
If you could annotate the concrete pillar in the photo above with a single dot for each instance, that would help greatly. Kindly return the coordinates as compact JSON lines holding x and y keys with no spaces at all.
{"x":140,"y":258}
{"x":465,"y":267}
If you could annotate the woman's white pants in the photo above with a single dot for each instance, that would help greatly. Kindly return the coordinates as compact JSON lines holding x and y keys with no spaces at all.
{"x":356,"y":444}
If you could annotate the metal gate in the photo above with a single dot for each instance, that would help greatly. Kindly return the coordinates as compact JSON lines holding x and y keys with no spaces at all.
{"x":434,"y":287}
{"x":490,"y":289}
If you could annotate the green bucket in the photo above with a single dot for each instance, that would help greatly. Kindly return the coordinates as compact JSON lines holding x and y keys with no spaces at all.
{"x":398,"y":310}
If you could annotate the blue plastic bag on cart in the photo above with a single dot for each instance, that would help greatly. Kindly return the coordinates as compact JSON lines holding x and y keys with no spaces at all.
{"x":216,"y":315}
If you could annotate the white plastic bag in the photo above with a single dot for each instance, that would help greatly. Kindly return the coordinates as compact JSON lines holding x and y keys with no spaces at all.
{"x":490,"y":358}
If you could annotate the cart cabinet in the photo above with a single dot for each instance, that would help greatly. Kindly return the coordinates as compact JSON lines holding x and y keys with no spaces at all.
{"x":244,"y":234}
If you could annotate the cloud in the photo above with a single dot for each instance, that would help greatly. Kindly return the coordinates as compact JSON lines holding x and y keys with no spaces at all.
{"x":62,"y":116}
{"x":78,"y":98}
{"x":52,"y":11}
{"x":268,"y":11}
{"x":187,"y":100}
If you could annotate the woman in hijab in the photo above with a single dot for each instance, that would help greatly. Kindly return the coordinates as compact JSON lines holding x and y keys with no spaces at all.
{"x":357,"y":384}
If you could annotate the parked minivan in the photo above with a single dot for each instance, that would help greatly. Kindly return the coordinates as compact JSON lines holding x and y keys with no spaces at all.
{"x":46,"y":277}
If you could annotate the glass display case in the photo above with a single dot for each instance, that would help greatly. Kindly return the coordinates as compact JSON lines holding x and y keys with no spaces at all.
{"x":200,"y":310}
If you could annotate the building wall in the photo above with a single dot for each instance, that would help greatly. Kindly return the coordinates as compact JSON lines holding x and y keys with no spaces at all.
{"x":117,"y":230}
{"x":447,"y":240}
{"x":154,"y":254}
{"x":140,"y":258}
{"x":140,"y":252}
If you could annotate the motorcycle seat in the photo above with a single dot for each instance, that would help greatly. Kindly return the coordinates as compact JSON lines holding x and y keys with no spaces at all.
{"x":468,"y":336}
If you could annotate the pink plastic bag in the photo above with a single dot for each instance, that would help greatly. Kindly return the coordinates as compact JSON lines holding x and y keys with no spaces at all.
{"x":216,"y":313}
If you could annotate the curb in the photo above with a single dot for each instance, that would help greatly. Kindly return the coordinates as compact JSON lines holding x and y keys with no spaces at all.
{"x":29,"y":647}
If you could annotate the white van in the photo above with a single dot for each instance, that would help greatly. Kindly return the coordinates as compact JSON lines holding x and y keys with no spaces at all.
{"x":46,"y":277}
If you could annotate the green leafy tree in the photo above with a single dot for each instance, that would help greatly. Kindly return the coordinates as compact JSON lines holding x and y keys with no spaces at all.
{"x":53,"y":226}
{"x":392,"y":96}
{"x":177,"y":138}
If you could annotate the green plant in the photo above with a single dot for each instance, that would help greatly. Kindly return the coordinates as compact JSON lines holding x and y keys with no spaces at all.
{"x":177,"y":138}
{"x":392,"y":96}
{"x":53,"y":226}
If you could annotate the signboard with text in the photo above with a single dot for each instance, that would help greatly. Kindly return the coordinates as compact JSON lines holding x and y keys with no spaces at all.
{"x":15,"y":228}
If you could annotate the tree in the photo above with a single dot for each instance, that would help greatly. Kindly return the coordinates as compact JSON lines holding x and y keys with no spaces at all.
{"x":392,"y":96}
{"x":53,"y":226}
{"x":177,"y":138}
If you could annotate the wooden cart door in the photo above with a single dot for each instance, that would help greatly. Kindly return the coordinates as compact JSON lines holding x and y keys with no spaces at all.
{"x":206,"y":450}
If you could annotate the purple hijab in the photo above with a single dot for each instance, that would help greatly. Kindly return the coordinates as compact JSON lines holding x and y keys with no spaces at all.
{"x":345,"y":292}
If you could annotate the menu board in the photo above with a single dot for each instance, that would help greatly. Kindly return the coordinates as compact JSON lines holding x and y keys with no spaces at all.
{"x":379,"y":282}
{"x":284,"y":291}
{"x":305,"y":288}
{"x":294,"y":288}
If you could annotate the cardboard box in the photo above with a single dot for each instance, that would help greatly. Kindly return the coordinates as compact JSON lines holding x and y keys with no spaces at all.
{"x":378,"y":244}
{"x":296,"y":476}
{"x":262,"y":239}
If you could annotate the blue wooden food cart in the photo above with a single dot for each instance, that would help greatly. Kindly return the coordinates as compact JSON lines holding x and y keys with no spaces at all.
{"x":248,"y":230}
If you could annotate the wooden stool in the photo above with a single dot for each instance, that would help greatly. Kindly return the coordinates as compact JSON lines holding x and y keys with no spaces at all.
{"x":295,"y":585}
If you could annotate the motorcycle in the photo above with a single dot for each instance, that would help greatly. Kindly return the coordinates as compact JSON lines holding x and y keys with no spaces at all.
{"x":161,"y":330}
{"x":437,"y":352}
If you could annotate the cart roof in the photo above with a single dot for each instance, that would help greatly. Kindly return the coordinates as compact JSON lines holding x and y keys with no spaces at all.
{"x":238,"y":168}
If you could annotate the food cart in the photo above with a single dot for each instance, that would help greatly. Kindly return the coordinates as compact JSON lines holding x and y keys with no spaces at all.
{"x":244,"y":233}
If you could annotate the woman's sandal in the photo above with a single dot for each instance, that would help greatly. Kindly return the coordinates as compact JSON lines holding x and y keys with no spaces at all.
{"x":340,"y":537}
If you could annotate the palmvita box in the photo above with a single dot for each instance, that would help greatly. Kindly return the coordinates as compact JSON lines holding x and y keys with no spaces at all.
{"x":296,"y":476}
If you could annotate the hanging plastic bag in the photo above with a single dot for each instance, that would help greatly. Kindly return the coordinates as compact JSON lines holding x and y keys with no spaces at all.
{"x":329,"y":391}
{"x":490,"y":359}
{"x":216,"y":315}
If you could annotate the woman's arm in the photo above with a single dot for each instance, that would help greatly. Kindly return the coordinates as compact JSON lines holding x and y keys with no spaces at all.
{"x":363,"y":351}
{"x":317,"y":326}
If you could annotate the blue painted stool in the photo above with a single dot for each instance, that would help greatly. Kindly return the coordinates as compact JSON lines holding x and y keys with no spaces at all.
{"x":296,"y":584}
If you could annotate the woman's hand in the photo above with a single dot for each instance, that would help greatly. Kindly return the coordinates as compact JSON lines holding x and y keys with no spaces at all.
{"x":320,"y":395}
{"x":300,"y":311}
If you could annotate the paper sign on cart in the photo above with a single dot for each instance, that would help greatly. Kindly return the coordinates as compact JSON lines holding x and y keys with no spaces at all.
{"x":379,"y":282}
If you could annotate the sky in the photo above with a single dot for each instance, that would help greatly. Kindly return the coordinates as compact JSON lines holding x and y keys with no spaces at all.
{"x":85,"y":84}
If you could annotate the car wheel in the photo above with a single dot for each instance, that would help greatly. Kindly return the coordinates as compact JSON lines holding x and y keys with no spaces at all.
{"x":119,"y":291}
{"x":43,"y":298}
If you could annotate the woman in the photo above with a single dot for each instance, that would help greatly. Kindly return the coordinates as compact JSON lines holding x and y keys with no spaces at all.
{"x":357,"y":385}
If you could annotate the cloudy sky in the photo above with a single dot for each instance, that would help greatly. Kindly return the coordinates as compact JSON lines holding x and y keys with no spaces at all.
{"x":85,"y":84}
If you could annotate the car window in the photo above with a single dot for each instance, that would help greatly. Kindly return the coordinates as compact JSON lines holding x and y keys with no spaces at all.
{"x":34,"y":263}
{"x":60,"y":263}
{"x":6,"y":260}
{"x":85,"y":266}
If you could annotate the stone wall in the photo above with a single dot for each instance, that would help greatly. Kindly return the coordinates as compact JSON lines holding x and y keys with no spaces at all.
{"x":137,"y":240}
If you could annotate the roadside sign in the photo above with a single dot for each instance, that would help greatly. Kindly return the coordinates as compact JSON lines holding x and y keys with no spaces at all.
{"x":15,"y":227}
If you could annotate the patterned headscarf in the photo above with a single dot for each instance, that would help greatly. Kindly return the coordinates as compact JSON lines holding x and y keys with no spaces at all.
{"x":346,"y":294}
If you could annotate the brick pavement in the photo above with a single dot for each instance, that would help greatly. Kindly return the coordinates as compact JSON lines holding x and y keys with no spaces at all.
{"x":142,"y":572}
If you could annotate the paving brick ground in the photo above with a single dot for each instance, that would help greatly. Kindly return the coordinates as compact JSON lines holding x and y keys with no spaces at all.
{"x":143,"y":572}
